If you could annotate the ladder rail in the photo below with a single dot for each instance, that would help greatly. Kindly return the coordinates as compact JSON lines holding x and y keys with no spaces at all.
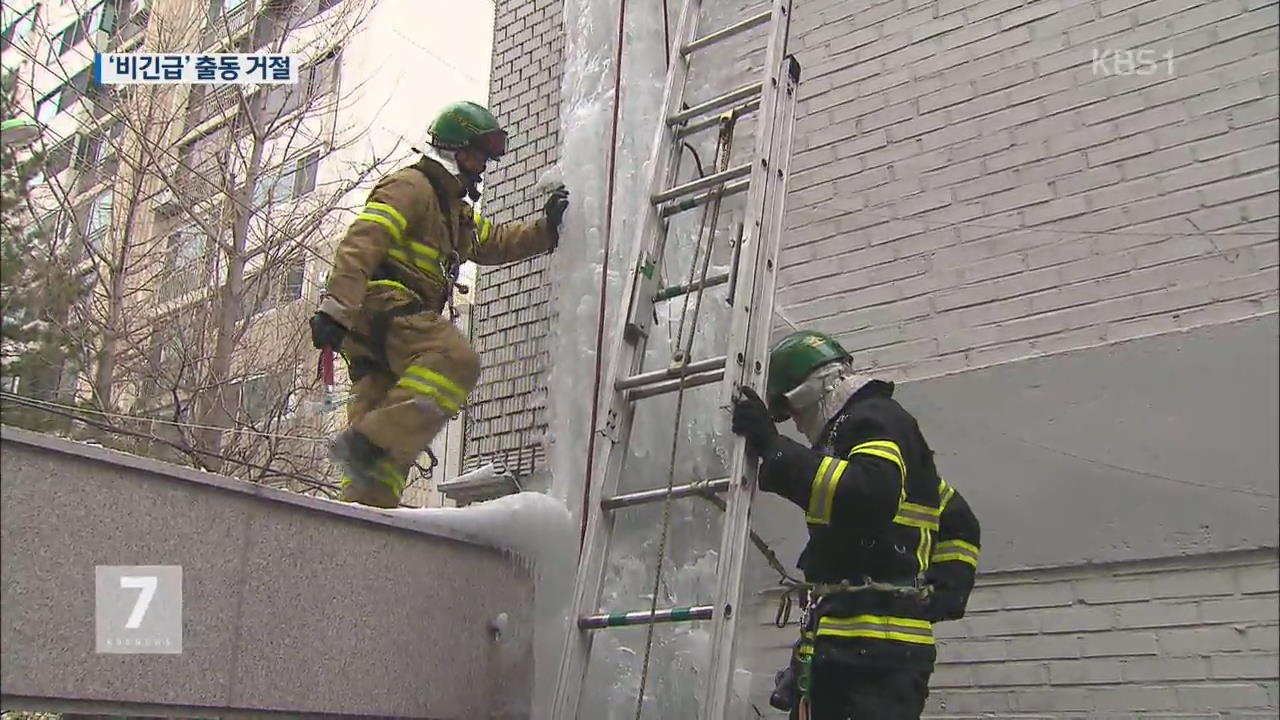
{"x":750,"y":289}
{"x":627,"y":358}
{"x":754,"y":293}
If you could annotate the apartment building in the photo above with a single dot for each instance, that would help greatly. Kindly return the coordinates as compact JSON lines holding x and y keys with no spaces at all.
{"x":207,"y":213}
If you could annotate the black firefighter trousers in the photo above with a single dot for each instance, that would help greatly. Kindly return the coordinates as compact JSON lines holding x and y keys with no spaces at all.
{"x":841,"y":692}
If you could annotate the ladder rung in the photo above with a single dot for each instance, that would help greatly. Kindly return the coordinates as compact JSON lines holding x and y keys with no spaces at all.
{"x":701,"y":199}
{"x":644,"y":617}
{"x":676,"y":291}
{"x":662,"y":388}
{"x":746,"y":92}
{"x":675,"y":371}
{"x":703,"y":183}
{"x":734,"y":29}
{"x":679,"y":491}
{"x":694,"y":128}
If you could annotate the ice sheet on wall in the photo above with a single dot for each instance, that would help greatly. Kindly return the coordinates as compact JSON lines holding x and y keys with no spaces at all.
{"x":678,"y":654}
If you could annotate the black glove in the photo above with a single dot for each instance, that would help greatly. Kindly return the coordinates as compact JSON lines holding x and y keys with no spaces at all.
{"x":557,"y":203}
{"x":326,"y":332}
{"x":751,"y":419}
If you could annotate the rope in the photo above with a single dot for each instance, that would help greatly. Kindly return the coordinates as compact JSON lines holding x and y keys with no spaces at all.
{"x":604,"y":271}
{"x":711,"y":211}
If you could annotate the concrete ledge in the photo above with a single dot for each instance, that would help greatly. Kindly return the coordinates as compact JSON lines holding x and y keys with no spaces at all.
{"x":292,"y":604}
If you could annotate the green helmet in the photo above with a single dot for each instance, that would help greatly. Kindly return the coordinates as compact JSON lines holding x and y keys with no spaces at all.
{"x":792,"y":360}
{"x":466,"y":124}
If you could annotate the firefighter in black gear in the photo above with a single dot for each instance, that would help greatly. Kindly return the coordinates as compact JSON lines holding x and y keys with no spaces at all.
{"x":878,"y":512}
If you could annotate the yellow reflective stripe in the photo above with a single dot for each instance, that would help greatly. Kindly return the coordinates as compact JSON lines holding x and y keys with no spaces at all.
{"x":922,"y":549}
{"x":384,"y":221}
{"x":431,"y":392}
{"x":919,"y":516}
{"x":425,"y":250}
{"x":956,"y":550}
{"x":929,"y":525}
{"x":878,"y":627}
{"x":388,"y":283}
{"x":430,"y":269}
{"x":885,"y":450}
{"x":388,"y":476}
{"x":392,"y":477}
{"x":391,"y":213}
{"x":437,"y":380}
{"x":822,"y":490}
{"x":483,"y":227}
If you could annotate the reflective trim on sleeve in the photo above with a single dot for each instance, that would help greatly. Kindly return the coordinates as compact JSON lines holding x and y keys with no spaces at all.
{"x":384,"y":221}
{"x":956,"y":550}
{"x":885,"y":450}
{"x":483,"y":227}
{"x":390,"y":212}
{"x":822,"y":491}
{"x":918,"y":516}
{"x":945,"y":493}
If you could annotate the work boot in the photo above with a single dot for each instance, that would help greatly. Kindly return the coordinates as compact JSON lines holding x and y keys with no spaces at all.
{"x":785,"y":690}
{"x":369,"y":478}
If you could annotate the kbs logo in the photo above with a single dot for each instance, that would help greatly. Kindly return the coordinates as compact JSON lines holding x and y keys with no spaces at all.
{"x":1131,"y":62}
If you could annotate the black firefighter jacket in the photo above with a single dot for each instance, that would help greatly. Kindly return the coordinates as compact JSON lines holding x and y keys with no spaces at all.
{"x":876,"y":507}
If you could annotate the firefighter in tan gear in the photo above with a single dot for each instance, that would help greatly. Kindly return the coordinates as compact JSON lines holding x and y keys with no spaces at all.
{"x":394,"y":274}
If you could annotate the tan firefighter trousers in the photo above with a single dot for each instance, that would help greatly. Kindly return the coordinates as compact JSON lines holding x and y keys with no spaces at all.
{"x":412,"y":371}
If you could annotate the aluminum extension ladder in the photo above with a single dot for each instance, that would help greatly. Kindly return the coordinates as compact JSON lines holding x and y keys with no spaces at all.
{"x":764,"y":179}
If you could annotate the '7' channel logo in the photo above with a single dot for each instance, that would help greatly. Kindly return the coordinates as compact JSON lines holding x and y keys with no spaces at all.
{"x":1130,"y":62}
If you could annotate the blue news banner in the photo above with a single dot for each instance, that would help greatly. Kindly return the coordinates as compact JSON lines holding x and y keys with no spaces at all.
{"x":189,"y":68}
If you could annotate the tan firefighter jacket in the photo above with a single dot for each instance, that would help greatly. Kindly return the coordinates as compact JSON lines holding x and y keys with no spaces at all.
{"x":415,"y":229}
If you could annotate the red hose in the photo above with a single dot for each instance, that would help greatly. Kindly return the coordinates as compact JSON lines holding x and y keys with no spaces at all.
{"x":604,"y":271}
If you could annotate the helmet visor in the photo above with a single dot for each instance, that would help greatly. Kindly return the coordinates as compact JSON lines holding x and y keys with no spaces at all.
{"x":492,"y":144}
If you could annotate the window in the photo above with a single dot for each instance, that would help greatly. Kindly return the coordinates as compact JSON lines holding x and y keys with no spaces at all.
{"x":99,"y":219}
{"x":294,"y":277}
{"x":291,"y":180}
{"x":272,"y":288}
{"x":20,"y":28}
{"x":74,"y":89}
{"x":185,"y":262}
{"x":304,"y":174}
{"x":55,"y":226}
{"x":266,"y":396}
{"x":186,"y":248}
{"x":93,"y":19}
{"x":59,"y":157}
{"x":47,"y":108}
{"x":91,"y":148}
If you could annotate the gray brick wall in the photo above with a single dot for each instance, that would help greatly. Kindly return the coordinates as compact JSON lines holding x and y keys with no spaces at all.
{"x":928,"y":130}
{"x":1192,"y":637}
{"x":505,"y":420}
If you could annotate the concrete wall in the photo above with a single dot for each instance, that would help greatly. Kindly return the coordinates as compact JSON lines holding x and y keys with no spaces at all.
{"x":291,"y":604}
{"x":1192,"y":637}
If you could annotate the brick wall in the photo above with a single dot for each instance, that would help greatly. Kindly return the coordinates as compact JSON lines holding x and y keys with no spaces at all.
{"x":928,"y":128}
{"x":925,"y":131}
{"x":1192,"y":637}
{"x":505,"y":420}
